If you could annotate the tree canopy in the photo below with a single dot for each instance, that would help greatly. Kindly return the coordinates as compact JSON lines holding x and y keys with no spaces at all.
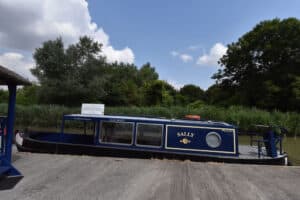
{"x":263,"y":67}
{"x":78,"y":73}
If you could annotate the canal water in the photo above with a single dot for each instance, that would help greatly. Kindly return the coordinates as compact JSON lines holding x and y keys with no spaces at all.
{"x":291,"y":145}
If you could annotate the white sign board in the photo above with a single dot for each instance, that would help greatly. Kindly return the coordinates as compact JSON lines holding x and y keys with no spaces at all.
{"x":92,"y":109}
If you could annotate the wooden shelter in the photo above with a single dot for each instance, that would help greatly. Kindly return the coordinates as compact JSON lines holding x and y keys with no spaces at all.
{"x":9,"y":176}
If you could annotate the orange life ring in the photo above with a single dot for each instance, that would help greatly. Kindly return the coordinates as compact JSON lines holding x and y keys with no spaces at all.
{"x":192,"y":117}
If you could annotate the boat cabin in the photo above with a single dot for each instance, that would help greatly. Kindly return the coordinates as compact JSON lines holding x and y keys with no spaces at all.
{"x":140,"y":133}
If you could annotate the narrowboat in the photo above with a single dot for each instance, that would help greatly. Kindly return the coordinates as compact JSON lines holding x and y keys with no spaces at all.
{"x":145,"y":137}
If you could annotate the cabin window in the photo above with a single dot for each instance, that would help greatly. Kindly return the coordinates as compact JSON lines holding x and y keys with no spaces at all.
{"x":149,"y":134}
{"x":116,"y":132}
{"x":86,"y":127}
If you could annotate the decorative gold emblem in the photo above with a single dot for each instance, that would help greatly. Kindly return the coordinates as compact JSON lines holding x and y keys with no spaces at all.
{"x":185,"y":141}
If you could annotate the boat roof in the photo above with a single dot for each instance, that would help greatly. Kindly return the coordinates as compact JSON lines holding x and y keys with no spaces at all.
{"x":207,"y":123}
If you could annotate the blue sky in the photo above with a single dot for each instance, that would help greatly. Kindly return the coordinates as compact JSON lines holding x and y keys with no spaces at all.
{"x":182,"y":39}
{"x":153,"y":29}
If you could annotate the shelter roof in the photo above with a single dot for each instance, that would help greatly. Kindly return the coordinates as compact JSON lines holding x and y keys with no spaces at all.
{"x":8,"y":77}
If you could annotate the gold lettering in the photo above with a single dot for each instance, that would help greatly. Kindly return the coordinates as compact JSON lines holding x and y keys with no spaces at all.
{"x":185,"y":134}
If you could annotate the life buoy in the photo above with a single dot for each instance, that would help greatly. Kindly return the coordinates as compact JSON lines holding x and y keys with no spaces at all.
{"x":192,"y":117}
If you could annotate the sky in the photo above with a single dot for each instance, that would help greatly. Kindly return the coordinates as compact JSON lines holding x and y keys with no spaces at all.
{"x":183,"y":40}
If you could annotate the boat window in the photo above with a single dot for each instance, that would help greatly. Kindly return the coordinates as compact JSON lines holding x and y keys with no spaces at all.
{"x":116,"y":132}
{"x":149,"y":134}
{"x":80,"y":127}
{"x":213,"y":139}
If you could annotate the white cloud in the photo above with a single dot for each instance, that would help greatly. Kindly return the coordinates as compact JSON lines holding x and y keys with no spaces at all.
{"x":182,"y":56}
{"x":24,"y":26}
{"x":124,"y":55}
{"x":18,"y":63}
{"x":215,"y":53}
{"x":186,"y":57}
{"x":175,"y":84}
{"x":174,"y":53}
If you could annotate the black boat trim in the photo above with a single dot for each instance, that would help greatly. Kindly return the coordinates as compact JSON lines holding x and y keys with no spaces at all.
{"x":38,"y":146}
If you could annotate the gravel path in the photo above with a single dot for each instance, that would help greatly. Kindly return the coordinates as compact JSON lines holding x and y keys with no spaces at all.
{"x":83,"y":177}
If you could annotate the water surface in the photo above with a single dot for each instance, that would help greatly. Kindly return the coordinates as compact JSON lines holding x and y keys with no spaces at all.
{"x":291,"y":145}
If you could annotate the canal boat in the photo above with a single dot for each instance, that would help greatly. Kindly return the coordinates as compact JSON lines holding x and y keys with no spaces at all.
{"x":130,"y":136}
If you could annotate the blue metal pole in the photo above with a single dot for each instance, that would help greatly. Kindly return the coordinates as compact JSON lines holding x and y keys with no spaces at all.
{"x":10,"y":121}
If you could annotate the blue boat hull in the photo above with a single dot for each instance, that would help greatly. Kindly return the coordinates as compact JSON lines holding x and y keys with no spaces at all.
{"x":32,"y":142}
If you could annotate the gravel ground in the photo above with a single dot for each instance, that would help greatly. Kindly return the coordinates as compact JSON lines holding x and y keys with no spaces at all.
{"x":83,"y":177}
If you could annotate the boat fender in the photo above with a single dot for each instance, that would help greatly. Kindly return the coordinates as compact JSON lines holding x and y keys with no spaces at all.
{"x":19,"y":138}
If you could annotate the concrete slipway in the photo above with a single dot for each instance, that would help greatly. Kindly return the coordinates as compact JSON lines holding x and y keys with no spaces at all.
{"x":83,"y":177}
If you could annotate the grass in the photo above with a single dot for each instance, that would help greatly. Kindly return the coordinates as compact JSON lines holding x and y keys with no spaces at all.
{"x":50,"y":115}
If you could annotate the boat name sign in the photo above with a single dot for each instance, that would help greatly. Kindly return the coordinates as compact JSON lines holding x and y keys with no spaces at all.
{"x":185,"y":134}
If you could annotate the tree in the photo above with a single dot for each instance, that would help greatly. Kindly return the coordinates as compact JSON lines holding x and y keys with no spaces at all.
{"x":146,"y":73}
{"x":78,"y":73}
{"x":50,"y":61}
{"x":3,"y":96}
{"x":223,"y":95}
{"x":27,"y":95}
{"x":159,"y":92}
{"x":192,"y":93}
{"x":69,"y":76}
{"x":263,"y":65}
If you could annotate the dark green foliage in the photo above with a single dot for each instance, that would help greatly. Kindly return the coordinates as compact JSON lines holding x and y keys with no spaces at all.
{"x":78,"y":74}
{"x":50,"y":115}
{"x":262,"y":67}
{"x":146,"y":74}
{"x":223,"y":95}
{"x":69,"y":76}
{"x":158,"y":93}
{"x":3,"y":96}
{"x":27,"y":95}
{"x":192,"y":93}
{"x":50,"y":61}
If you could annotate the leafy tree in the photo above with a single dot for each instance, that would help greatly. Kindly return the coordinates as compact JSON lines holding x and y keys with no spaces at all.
{"x":68,"y":76}
{"x":192,"y":93}
{"x":146,"y":74}
{"x":50,"y":61}
{"x":27,"y":95}
{"x":222,"y":95}
{"x":78,"y":73}
{"x":3,"y":96}
{"x":296,"y":92}
{"x":263,"y":65}
{"x":159,"y":92}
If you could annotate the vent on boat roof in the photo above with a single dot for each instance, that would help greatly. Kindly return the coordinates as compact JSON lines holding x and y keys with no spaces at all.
{"x":92,"y":109}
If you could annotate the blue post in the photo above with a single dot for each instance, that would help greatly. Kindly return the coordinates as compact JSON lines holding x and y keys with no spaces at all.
{"x":96,"y":139}
{"x":270,"y":143}
{"x":10,"y":122}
